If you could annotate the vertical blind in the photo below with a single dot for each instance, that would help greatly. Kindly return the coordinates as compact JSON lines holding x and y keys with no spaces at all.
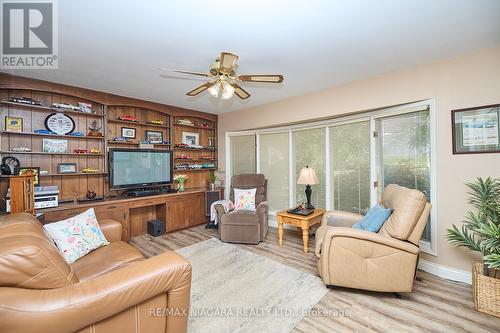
{"x":350,"y":167}
{"x":309,"y":149}
{"x":274,"y":163}
{"x":402,"y":150}
{"x":242,"y":154}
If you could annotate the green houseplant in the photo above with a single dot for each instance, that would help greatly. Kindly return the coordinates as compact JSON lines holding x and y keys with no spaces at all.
{"x":481,"y":229}
{"x":212,"y":178}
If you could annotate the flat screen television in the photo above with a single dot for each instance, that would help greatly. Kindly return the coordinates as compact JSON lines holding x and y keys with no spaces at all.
{"x":138,"y":168}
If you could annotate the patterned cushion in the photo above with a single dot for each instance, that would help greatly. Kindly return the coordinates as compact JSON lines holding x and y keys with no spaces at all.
{"x":244,"y":199}
{"x":77,"y":236}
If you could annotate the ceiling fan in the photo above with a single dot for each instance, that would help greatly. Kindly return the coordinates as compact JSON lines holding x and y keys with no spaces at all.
{"x":224,"y":79}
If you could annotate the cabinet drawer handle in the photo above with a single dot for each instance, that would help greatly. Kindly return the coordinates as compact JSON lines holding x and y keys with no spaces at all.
{"x":111,"y":207}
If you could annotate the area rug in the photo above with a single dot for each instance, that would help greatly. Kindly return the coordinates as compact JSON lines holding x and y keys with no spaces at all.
{"x":235,"y":290}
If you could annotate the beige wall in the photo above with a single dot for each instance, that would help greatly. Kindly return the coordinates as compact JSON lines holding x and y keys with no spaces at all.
{"x":465,"y":81}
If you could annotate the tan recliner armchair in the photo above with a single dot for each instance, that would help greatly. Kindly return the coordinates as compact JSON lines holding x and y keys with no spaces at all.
{"x":384,"y":261}
{"x":112,"y":289}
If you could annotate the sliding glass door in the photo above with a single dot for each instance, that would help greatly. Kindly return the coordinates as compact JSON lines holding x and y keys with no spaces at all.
{"x":350,"y":167}
{"x":404,"y":153}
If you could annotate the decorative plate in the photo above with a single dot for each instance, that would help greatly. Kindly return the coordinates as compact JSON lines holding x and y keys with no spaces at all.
{"x":60,"y":123}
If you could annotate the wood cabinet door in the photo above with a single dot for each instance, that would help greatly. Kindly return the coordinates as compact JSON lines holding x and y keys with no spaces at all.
{"x":177,"y":210}
{"x":117,"y":212}
{"x":185,"y":211}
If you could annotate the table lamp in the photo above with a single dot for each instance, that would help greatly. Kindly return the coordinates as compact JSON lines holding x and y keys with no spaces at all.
{"x":308,"y":177}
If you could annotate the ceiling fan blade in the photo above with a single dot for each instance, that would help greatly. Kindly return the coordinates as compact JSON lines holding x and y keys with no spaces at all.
{"x":274,"y":78}
{"x":185,"y":72}
{"x":240,"y":91}
{"x":200,"y":89}
{"x":227,"y":62}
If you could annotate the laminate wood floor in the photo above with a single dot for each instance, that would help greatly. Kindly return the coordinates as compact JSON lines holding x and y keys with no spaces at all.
{"x":435,"y":305}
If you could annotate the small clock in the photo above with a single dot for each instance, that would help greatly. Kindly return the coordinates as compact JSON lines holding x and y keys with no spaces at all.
{"x":60,"y":123}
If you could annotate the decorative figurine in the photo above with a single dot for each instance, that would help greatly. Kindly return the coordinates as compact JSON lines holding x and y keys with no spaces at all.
{"x":95,"y":129}
{"x":127,"y":118}
{"x":91,"y":194}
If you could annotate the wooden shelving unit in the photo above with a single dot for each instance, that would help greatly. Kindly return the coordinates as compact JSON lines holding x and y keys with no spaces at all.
{"x":70,"y":185}
{"x":52,"y":109}
{"x":53,"y":154}
{"x":107,"y":109}
{"x":206,"y":137}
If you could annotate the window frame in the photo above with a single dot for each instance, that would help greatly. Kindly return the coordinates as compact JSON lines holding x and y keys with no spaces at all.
{"x":371,"y":116}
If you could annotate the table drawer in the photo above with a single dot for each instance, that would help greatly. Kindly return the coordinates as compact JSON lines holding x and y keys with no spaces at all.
{"x":147,"y":202}
{"x":289,"y":220}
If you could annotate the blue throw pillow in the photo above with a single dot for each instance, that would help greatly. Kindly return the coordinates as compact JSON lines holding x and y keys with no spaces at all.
{"x":374,"y":220}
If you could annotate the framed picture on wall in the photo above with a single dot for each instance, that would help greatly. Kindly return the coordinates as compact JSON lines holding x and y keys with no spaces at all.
{"x":476,"y":130}
{"x":13,"y":124}
{"x":154,"y":136}
{"x":128,"y":132}
{"x":54,"y":146}
{"x":66,"y":168}
{"x":192,"y":139}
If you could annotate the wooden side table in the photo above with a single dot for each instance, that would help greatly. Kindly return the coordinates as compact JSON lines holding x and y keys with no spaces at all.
{"x":302,"y":222}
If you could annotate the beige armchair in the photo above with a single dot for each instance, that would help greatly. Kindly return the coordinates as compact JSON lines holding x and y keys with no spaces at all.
{"x":384,"y":261}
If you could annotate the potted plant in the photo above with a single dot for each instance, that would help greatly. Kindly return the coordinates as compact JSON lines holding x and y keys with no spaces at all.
{"x":212,"y":178}
{"x":180,"y":179}
{"x":481,"y":232}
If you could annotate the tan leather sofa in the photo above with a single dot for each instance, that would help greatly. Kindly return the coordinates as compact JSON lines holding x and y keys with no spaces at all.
{"x":112,"y":289}
{"x":245,"y":226}
{"x":384,"y":261}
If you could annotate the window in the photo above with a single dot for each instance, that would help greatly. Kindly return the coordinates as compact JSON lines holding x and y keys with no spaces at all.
{"x":242,"y":153}
{"x":274,"y":163}
{"x":350,"y":167}
{"x":404,"y":153}
{"x":309,"y":149}
{"x":353,"y":164}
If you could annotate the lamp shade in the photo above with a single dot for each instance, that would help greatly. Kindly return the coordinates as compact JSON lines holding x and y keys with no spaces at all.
{"x":307,"y":177}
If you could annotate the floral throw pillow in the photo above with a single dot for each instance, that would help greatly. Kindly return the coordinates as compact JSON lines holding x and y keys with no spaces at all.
{"x":77,"y":236}
{"x":244,"y":199}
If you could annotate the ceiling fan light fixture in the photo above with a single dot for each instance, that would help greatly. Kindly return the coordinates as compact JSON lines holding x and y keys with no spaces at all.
{"x":214,"y":90}
{"x":228,"y":91}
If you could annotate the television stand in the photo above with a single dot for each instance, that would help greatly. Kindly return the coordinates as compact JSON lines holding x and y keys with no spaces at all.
{"x":143,"y":193}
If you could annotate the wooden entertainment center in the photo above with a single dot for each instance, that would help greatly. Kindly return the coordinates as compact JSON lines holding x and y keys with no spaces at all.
{"x":180,"y":210}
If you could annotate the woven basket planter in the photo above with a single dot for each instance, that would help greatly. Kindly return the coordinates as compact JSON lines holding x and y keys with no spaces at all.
{"x":486,"y":290}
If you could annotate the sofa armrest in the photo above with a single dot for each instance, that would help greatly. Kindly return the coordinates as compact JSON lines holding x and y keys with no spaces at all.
{"x":74,"y":307}
{"x":111,"y":229}
{"x":338,"y":218}
{"x":262,"y":208}
{"x":329,"y":233}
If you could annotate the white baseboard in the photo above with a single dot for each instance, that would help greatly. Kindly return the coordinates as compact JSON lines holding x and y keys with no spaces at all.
{"x":445,"y":272}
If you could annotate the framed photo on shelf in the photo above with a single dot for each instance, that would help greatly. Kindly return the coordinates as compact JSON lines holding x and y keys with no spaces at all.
{"x":66,"y":168}
{"x":14,"y":124}
{"x":34,"y":170}
{"x":191,"y":138}
{"x":54,"y":146}
{"x":128,"y":132}
{"x":154,"y":136}
{"x":476,"y":130}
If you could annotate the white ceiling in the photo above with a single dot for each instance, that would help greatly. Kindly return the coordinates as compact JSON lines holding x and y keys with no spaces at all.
{"x":117,"y":46}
